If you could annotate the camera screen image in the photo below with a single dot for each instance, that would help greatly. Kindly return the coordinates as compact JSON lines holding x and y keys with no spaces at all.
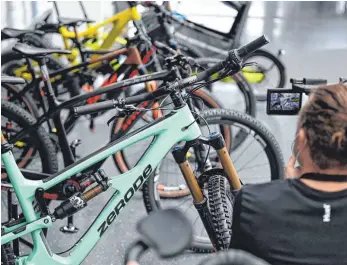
{"x":285,"y":101}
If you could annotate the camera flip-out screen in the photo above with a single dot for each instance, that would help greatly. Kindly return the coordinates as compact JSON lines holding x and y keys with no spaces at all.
{"x":283,"y":102}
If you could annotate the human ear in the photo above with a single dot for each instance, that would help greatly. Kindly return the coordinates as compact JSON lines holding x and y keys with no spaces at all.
{"x":301,"y":139}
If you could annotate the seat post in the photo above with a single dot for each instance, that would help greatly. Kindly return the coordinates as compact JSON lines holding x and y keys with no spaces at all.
{"x":52,"y":100}
{"x":53,"y":106}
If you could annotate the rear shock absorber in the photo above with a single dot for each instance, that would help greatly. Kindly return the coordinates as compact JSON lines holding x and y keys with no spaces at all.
{"x":79,"y":200}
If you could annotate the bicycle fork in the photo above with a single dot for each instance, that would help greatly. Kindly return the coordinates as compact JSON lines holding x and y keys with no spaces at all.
{"x":216,"y":141}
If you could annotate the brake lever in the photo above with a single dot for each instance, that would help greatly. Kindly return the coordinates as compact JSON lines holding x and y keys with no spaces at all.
{"x":252,"y":64}
{"x":126,"y":110}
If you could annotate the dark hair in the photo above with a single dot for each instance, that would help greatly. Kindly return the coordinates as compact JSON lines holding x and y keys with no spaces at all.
{"x":324,"y":119}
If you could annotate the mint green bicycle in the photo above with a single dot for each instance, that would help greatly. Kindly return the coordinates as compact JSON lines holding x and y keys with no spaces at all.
{"x":178,"y":126}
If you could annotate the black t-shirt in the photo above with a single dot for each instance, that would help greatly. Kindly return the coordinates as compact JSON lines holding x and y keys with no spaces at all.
{"x":286,"y":222}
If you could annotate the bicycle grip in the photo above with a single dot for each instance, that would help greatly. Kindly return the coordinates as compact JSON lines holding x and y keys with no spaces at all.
{"x":314,"y":81}
{"x":96,"y":107}
{"x":138,"y":98}
{"x":252,"y":46}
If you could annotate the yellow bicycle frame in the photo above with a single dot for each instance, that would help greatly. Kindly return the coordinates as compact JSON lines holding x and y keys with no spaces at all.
{"x":119,"y":21}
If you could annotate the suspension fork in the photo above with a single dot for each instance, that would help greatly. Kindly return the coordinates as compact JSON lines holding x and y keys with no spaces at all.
{"x":199,"y":200}
{"x":216,"y":141}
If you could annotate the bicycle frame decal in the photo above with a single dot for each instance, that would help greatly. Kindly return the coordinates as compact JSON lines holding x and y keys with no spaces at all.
{"x":128,"y":195}
{"x":167,"y":131}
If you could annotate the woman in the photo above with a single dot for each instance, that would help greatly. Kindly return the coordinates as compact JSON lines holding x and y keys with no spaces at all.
{"x":303,"y":219}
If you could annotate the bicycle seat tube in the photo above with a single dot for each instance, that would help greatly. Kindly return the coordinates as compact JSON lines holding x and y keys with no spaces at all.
{"x":52,"y":106}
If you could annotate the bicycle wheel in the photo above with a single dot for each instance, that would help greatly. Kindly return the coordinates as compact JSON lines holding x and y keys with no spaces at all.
{"x":10,"y":93}
{"x":221,"y":204}
{"x":34,"y":151}
{"x":64,"y":88}
{"x":235,"y":88}
{"x":258,"y":159}
{"x":7,"y":255}
{"x":268,"y":73}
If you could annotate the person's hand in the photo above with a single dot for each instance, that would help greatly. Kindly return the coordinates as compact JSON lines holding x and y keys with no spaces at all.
{"x":291,"y":170}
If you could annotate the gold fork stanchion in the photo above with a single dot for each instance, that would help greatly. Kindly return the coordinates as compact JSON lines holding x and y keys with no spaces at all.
{"x":217,"y":142}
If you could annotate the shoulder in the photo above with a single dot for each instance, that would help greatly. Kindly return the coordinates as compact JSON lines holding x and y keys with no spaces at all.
{"x":257,"y":195}
{"x":259,"y":189}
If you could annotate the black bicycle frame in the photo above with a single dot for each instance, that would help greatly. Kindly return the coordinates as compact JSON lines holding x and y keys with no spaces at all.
{"x":236,"y":29}
{"x":55,"y":108}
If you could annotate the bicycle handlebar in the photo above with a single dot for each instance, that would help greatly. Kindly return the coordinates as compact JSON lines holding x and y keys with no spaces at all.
{"x":163,"y":46}
{"x":234,"y":61}
{"x":317,"y":81}
{"x":165,"y":12}
{"x":234,"y":257}
{"x":113,"y":103}
{"x":235,"y":57}
{"x":96,"y":107}
{"x":309,"y":81}
{"x":253,"y":46}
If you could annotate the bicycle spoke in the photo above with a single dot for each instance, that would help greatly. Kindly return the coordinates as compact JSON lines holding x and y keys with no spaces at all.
{"x":184,"y":201}
{"x":235,"y":160}
{"x":197,"y":218}
{"x":188,"y":208}
{"x":251,"y":159}
{"x":202,"y":230}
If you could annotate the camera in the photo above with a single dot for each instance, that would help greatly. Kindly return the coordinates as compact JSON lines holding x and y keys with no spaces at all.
{"x":289,"y":101}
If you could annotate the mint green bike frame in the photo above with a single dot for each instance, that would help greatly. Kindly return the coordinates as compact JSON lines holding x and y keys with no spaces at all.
{"x":167,"y":132}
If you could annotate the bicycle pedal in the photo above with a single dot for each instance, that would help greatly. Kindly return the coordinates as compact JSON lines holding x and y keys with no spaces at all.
{"x":69,"y":229}
{"x":75,"y":143}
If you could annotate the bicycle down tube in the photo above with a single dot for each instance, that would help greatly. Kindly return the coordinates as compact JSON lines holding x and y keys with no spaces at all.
{"x":167,"y":130}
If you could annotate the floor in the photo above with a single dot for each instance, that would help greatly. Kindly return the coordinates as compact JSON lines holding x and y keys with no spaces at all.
{"x":315,"y":40}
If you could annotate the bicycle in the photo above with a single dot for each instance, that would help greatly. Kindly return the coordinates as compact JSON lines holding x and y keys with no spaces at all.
{"x":23,"y":98}
{"x":23,"y":146}
{"x":119,"y":21}
{"x":125,"y":185}
{"x":273,"y":154}
{"x":129,"y":65}
{"x":244,"y":97}
{"x":169,"y":21}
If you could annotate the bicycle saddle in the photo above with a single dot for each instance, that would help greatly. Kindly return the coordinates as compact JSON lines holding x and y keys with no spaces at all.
{"x":74,"y":21}
{"x":7,"y":33}
{"x":168,"y":232}
{"x":12,"y":80}
{"x":30,"y":51}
